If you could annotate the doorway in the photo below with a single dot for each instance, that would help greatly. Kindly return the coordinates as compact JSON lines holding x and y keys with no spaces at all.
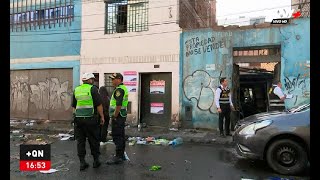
{"x":155,"y":101}
{"x":256,"y":69}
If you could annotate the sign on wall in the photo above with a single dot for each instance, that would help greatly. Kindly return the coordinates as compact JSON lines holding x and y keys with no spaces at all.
{"x":131,"y":86}
{"x":157,"y":87}
{"x":157,"y":108}
{"x":130,"y":80}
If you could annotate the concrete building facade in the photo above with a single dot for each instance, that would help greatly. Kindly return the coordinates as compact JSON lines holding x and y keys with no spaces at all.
{"x":139,"y":39}
{"x":44,"y":58}
{"x":207,"y":55}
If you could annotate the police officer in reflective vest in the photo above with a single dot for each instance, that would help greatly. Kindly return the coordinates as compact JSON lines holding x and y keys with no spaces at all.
{"x":86,"y":104}
{"x":118,"y":115}
{"x":276,"y":97}
{"x":224,"y":105}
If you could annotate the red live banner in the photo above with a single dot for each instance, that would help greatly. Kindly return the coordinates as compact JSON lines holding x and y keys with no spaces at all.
{"x":38,"y":165}
{"x":35,"y":157}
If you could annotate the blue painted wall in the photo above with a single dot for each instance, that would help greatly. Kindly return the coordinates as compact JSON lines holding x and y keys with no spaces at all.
{"x":295,"y":61}
{"x":49,"y":42}
{"x":205,"y":56}
{"x":45,"y":42}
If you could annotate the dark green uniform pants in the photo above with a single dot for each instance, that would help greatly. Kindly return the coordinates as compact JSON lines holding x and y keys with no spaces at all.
{"x":118,"y":135}
{"x":87,"y":128}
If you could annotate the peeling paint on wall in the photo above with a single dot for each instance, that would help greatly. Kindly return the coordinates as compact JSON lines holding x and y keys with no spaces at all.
{"x":206,"y":58}
{"x":295,"y":67}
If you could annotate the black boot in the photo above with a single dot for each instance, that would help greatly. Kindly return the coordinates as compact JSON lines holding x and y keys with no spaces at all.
{"x":115,"y":160}
{"x":83,"y":164}
{"x":96,"y":162}
{"x":221,"y":134}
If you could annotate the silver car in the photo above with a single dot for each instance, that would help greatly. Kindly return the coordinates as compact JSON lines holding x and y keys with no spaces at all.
{"x":280,"y":138}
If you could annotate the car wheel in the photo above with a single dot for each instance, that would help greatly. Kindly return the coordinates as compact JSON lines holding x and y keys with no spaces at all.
{"x":287,"y":157}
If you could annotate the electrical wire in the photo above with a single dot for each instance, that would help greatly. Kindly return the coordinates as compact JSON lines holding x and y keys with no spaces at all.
{"x":170,"y":6}
{"x":95,"y":39}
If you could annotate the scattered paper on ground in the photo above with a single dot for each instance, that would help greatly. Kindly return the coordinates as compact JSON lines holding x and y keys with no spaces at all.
{"x":49,"y":171}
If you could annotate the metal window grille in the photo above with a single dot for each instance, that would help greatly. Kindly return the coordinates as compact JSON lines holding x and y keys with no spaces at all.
{"x":27,"y":15}
{"x":304,"y":7}
{"x":126,"y":16}
{"x":108,"y":83}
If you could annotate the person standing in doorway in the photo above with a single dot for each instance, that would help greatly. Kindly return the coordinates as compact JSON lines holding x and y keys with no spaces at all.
{"x":86,"y":103}
{"x":276,"y":97}
{"x":105,"y":103}
{"x":118,"y":115}
{"x":224,"y":106}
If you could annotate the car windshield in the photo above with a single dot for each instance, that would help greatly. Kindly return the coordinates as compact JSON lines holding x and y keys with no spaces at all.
{"x":299,"y":108}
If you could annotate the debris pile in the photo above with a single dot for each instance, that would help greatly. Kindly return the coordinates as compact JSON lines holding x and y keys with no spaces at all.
{"x":153,"y":141}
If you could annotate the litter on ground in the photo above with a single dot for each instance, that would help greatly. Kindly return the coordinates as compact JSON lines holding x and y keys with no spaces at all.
{"x":65,"y":137}
{"x":148,"y":141}
{"x":173,"y":129}
{"x":49,"y":171}
{"x":155,"y":168}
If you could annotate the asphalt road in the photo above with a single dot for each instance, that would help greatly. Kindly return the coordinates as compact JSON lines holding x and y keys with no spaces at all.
{"x":185,"y":162}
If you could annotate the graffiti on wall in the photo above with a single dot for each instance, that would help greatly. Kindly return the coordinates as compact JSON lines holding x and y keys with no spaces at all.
{"x":45,"y":95}
{"x":200,"y":86}
{"x":197,"y":45}
{"x":19,"y":96}
{"x":51,"y":94}
{"x":299,"y":85}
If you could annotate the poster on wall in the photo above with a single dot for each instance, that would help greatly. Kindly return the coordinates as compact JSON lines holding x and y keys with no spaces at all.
{"x":131,"y":86}
{"x":130,"y":76}
{"x":157,"y":87}
{"x":130,"y":80}
{"x":157,"y":108}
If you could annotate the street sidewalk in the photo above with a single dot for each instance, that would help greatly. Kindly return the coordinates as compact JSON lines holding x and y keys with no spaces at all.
{"x":188,"y":135}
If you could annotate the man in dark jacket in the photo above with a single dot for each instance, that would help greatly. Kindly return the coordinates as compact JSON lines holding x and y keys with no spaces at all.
{"x":105,"y":103}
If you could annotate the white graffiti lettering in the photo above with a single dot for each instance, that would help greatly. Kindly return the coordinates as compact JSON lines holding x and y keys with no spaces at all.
{"x":45,"y":95}
{"x":19,"y":96}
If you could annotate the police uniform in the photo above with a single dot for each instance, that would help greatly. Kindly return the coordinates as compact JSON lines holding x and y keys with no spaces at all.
{"x":119,"y":98}
{"x":223,"y":100}
{"x":85,"y":101}
{"x":275,"y":103}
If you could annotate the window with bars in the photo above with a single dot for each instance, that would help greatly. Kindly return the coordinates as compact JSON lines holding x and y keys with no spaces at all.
{"x":126,"y":16}
{"x":29,"y":15}
{"x":108,"y":83}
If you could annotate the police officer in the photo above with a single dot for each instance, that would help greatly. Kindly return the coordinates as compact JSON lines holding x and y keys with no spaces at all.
{"x":86,"y":104}
{"x":118,"y":114}
{"x":224,"y":105}
{"x":276,"y":97}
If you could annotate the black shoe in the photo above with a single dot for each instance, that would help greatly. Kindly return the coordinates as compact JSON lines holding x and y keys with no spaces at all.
{"x":122,"y":157}
{"x":228,"y":134}
{"x":83,"y":165}
{"x":115,"y":160}
{"x":96,"y":164}
{"x":221,"y":135}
